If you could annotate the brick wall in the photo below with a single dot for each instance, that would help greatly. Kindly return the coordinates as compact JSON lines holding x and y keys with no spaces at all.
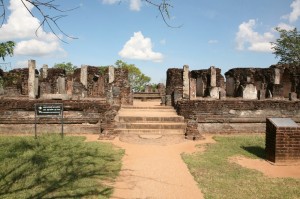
{"x":16,"y":82}
{"x":49,"y":85}
{"x":236,"y":116}
{"x":80,"y":116}
{"x":282,"y":143}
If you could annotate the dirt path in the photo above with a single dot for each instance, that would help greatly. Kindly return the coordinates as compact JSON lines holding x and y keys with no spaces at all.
{"x":155,"y":171}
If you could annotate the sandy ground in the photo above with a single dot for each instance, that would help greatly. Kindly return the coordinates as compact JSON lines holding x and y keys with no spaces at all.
{"x":267,"y":168}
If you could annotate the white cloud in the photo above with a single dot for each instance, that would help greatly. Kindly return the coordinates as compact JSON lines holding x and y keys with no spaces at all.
{"x":294,"y":15}
{"x":22,"y":26}
{"x":110,"y":1}
{"x":34,"y":47}
{"x":247,"y":38}
{"x":285,"y":26}
{"x":134,"y":5}
{"x":139,"y":47}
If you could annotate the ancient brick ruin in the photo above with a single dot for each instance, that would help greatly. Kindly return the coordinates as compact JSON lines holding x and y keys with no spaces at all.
{"x":241,"y":103}
{"x":91,"y":98}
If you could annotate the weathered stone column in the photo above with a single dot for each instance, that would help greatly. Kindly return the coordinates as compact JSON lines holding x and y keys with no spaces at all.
{"x":213,"y":76}
{"x":31,"y":79}
{"x":186,"y":82}
{"x":200,"y":87}
{"x":230,"y":86}
{"x":111,"y":74}
{"x":193,"y":88}
{"x":61,"y":85}
{"x":45,"y":71}
{"x":83,"y":75}
{"x":277,"y":76}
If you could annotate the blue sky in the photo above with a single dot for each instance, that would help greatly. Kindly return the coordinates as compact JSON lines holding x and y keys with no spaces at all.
{"x":225,"y":34}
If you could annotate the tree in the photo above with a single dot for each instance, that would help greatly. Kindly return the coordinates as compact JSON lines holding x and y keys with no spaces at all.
{"x":68,"y":67}
{"x":287,"y":47}
{"x":137,"y":79}
{"x":6,"y":48}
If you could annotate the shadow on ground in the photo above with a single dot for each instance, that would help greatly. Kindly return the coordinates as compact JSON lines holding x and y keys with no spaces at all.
{"x":255,"y":150}
{"x":54,"y":168}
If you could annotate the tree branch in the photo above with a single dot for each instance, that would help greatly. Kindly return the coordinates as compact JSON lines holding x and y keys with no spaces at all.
{"x":163,"y":8}
{"x":46,"y":20}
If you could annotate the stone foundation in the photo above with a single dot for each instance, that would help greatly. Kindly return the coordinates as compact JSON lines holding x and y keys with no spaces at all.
{"x":80,"y":116}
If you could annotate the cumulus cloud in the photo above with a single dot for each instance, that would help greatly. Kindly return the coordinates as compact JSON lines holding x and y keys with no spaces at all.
{"x":285,"y":26}
{"x":134,"y":5}
{"x":22,"y":27}
{"x":248,"y":39}
{"x":294,"y":15}
{"x":139,"y":47}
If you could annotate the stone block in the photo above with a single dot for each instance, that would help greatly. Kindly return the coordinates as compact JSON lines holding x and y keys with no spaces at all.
{"x":250,"y":92}
{"x":215,"y":92}
{"x":292,"y":96}
{"x":282,"y":140}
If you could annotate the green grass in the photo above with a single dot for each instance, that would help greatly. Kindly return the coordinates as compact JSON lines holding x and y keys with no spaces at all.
{"x":218,"y":178}
{"x":51,"y":167}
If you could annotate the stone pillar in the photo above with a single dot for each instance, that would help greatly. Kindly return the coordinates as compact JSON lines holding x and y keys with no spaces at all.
{"x":83,"y":75}
{"x":213,"y":76}
{"x":230,"y":86}
{"x":45,"y":71}
{"x":192,"y":88}
{"x":111,"y":74}
{"x":36,"y":85}
{"x":200,"y":88}
{"x":186,"y":82}
{"x":277,"y":76}
{"x":61,"y":85}
{"x":31,"y":79}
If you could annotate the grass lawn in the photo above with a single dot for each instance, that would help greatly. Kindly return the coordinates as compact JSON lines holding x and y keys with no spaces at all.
{"x":51,"y":167}
{"x":217,"y":178}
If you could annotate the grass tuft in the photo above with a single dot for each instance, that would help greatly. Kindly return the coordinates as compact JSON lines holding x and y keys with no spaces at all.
{"x":218,"y":178}
{"x":51,"y":167}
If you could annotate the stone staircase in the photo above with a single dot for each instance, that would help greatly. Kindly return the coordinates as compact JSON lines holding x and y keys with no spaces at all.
{"x":148,"y":121}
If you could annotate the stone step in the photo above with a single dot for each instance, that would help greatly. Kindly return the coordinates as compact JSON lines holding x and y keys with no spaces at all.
{"x":146,"y":119}
{"x":150,"y":131}
{"x":149,"y":108}
{"x":153,"y":126}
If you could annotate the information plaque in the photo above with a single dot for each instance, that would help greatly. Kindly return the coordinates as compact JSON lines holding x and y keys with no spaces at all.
{"x":53,"y":110}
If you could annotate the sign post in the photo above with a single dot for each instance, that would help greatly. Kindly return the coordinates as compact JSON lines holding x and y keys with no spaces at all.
{"x":51,"y":110}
